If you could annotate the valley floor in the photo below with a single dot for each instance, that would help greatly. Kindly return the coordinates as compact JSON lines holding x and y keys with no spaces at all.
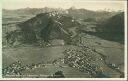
{"x":47,"y":57}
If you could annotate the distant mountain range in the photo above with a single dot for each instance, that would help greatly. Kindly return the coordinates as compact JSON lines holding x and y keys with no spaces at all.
{"x":75,"y":13}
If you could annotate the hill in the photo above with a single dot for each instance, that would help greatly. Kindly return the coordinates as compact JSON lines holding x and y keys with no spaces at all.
{"x":113,"y":28}
{"x":44,"y":27}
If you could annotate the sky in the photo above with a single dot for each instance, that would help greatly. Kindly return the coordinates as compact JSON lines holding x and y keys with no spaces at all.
{"x":91,"y":5}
